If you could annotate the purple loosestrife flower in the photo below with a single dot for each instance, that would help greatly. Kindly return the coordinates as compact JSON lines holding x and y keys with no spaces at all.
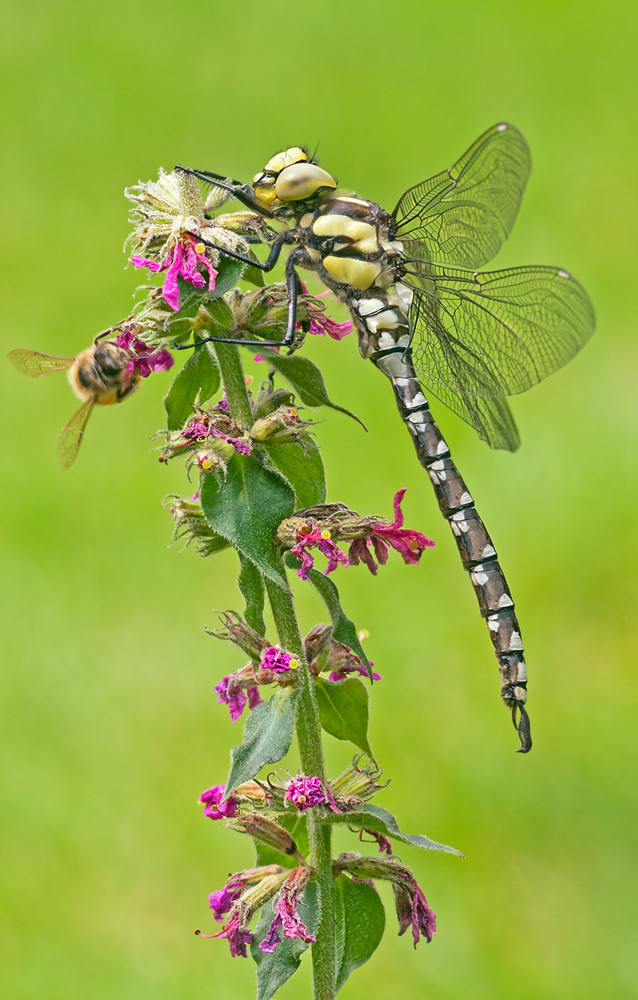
{"x":423,"y":918}
{"x":308,"y":538}
{"x":409,"y":543}
{"x":320,"y":323}
{"x":278,"y":660}
{"x":181,"y":261}
{"x":148,"y":360}
{"x":231,"y":694}
{"x":305,"y":792}
{"x":215,"y":808}
{"x":222,"y":900}
{"x":287,"y":920}
{"x":236,"y":935}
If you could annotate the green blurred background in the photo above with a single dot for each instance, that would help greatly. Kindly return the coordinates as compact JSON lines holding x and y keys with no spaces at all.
{"x":110,"y":724}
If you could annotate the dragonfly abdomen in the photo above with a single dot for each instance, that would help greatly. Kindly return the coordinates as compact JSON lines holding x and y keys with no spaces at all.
{"x":473,"y":541}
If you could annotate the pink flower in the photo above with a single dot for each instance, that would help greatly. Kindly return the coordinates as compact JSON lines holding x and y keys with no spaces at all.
{"x":308,"y":539}
{"x":410,"y":544}
{"x":195,"y":431}
{"x":221,"y":901}
{"x":287,"y":919}
{"x":148,"y":360}
{"x":237,"y":936}
{"x":276,"y":659}
{"x":215,"y":808}
{"x":351,"y":665}
{"x":241,"y":445}
{"x":181,"y":261}
{"x":423,"y":918}
{"x":305,"y":792}
{"x":321,"y":324}
{"x":232,"y":695}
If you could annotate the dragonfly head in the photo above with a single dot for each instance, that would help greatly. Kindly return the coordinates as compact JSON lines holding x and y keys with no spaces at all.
{"x":289,"y":178}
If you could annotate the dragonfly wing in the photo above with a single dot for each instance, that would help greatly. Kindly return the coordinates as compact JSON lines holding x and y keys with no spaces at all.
{"x":33,"y":364}
{"x":490,"y":416}
{"x":462,"y":215}
{"x":70,"y":437}
{"x":497,"y":333}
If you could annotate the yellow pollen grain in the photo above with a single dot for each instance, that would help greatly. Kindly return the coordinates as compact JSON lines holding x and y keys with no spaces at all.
{"x":302,"y":798}
{"x":293,"y":663}
{"x":199,"y":247}
{"x":206,"y":464}
{"x":326,"y":534}
{"x":249,"y":379}
{"x":363,"y":634}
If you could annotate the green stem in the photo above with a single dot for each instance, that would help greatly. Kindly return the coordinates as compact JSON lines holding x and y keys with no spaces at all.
{"x":324,"y":964}
{"x":234,"y":384}
{"x":307,"y":723}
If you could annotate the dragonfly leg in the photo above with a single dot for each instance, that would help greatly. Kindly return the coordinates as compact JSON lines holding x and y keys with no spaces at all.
{"x":242,"y":192}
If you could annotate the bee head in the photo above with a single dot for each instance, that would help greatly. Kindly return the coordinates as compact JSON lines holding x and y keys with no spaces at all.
{"x":290,"y":177}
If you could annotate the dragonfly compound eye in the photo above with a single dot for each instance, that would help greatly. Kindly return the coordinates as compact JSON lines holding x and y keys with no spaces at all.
{"x":301,"y":181}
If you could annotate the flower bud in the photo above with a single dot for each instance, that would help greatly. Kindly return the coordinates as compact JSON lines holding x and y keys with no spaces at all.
{"x":267,"y":832}
{"x":192,"y":526}
{"x":282,"y":419}
{"x":235,"y":629}
{"x":357,"y":782}
{"x":268,"y":399}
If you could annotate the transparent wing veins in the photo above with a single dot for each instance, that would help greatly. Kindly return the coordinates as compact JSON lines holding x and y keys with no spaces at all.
{"x":70,"y":437}
{"x":462,"y":215}
{"x":33,"y":364}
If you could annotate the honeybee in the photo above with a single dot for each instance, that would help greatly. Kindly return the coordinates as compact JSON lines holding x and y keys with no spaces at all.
{"x":98,"y":376}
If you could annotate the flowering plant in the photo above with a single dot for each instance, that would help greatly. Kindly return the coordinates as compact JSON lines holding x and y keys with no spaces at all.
{"x":260,"y":489}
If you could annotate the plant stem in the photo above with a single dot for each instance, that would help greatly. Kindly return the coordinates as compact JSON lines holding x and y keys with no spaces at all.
{"x":311,"y":753}
{"x":307,"y":722}
{"x":234,"y":383}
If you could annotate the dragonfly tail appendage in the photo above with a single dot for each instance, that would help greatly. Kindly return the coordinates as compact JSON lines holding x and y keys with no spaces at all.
{"x":474,"y":543}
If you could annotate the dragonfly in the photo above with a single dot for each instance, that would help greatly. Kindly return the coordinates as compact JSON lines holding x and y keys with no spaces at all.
{"x":433,"y":323}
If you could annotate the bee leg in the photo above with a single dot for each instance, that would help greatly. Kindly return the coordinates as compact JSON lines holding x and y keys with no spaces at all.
{"x":242,"y":192}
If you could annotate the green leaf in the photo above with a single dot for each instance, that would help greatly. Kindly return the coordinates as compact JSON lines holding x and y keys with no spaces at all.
{"x":373,"y":817}
{"x":295,"y":823}
{"x":274,"y":969}
{"x":359,"y":925}
{"x":267,"y":738}
{"x":343,"y":710}
{"x":228,"y":274}
{"x":302,"y":467}
{"x":251,"y":585}
{"x":255,"y":276}
{"x":306,"y":379}
{"x":247,"y":507}
{"x":200,"y":375}
{"x":343,"y":629}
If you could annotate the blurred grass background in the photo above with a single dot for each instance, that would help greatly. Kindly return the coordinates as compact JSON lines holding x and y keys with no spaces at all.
{"x":110,"y":724}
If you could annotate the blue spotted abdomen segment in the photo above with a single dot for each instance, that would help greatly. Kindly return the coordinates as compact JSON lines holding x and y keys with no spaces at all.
{"x":388,"y":348}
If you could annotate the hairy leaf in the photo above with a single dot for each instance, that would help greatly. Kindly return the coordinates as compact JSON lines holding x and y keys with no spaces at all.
{"x":267,"y":738}
{"x":342,"y":628}
{"x":306,"y":379}
{"x":275,"y":968}
{"x":302,"y":467}
{"x":359,"y":925}
{"x":228,"y":274}
{"x":251,"y":585}
{"x":200,"y":375}
{"x":247,"y":507}
{"x":373,"y":817}
{"x":343,"y":710}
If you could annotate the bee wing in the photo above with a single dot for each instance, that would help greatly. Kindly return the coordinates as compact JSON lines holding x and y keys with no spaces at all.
{"x":70,"y":437}
{"x":33,"y":364}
